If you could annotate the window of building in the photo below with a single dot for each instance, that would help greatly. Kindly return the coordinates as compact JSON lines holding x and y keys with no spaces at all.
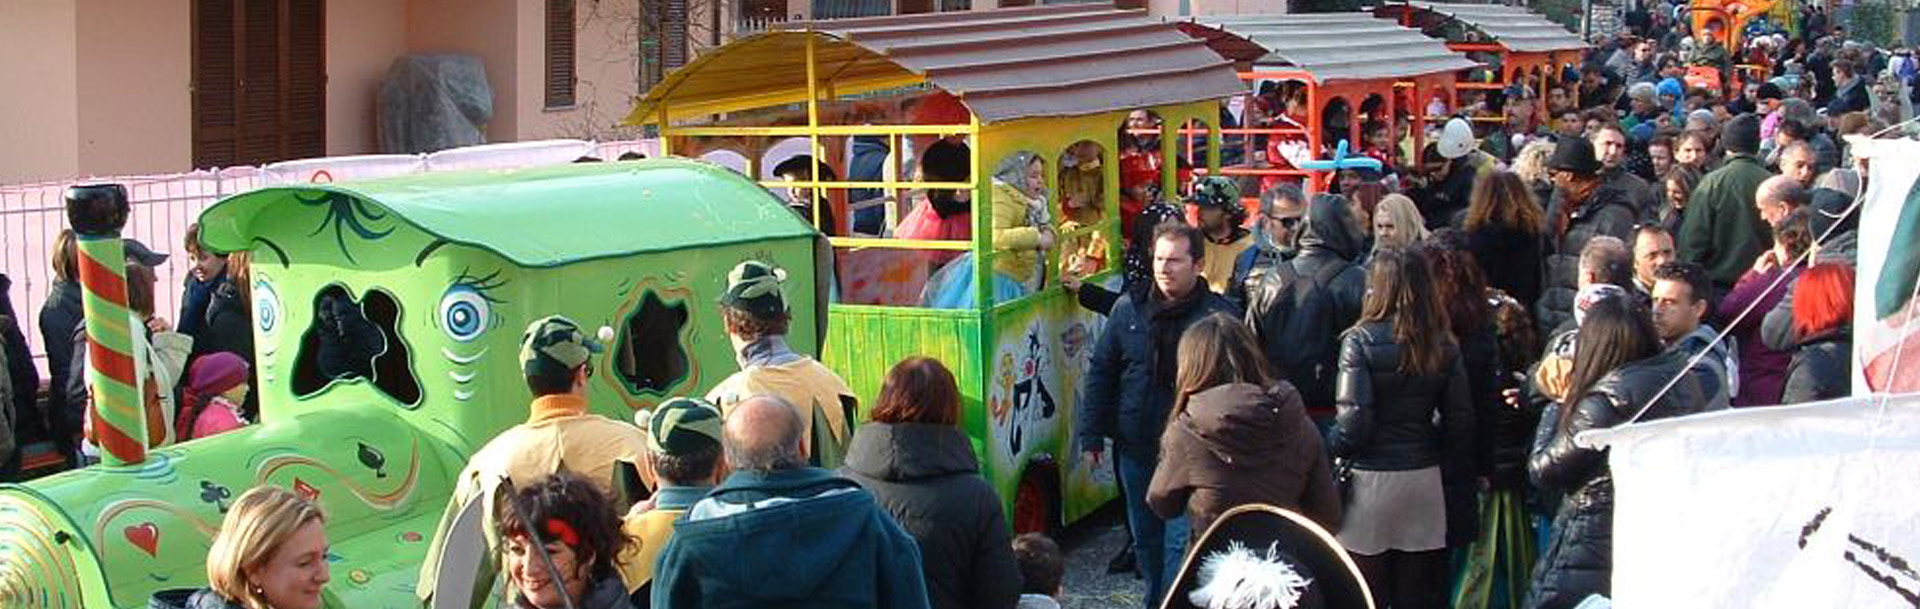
{"x":560,"y":54}
{"x":259,"y":81}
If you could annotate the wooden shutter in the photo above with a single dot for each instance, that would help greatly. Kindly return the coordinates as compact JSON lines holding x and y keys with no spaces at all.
{"x":259,"y":81}
{"x":306,"y":79}
{"x":560,"y":53}
{"x":673,"y":35}
{"x":216,"y":123}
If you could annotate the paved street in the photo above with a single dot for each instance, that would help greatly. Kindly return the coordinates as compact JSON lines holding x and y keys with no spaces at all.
{"x":1089,"y":544}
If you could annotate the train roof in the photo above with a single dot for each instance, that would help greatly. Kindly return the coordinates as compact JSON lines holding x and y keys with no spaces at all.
{"x":546,"y":216}
{"x":1513,"y":27}
{"x":1006,"y":64}
{"x":1331,"y":46}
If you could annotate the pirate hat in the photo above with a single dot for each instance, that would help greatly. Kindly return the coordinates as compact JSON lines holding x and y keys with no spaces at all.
{"x":1263,"y":556}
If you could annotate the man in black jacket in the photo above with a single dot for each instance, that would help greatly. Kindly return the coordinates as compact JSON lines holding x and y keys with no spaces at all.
{"x":1128,"y":390}
{"x":1326,"y":300}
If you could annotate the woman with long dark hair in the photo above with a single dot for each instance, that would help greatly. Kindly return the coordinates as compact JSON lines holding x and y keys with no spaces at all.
{"x":1506,"y":231}
{"x":1237,"y":435}
{"x":1405,"y":423}
{"x":1619,"y":372}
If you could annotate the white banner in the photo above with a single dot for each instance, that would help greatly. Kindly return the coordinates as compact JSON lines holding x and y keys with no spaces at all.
{"x":1813,"y":505}
{"x":342,"y":168}
{"x":511,"y":155}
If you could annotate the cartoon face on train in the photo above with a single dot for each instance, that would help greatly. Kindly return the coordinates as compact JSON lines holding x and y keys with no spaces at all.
{"x":355,"y":300}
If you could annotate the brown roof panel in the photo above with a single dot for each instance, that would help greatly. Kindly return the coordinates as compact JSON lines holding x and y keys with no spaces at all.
{"x":1332,"y":46}
{"x":1514,"y":27}
{"x":1005,"y":64}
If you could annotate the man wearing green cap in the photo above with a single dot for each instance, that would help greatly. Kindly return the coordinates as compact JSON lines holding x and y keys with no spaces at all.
{"x":756,"y":318}
{"x":1222,"y":219}
{"x":684,"y":459}
{"x":560,"y":433}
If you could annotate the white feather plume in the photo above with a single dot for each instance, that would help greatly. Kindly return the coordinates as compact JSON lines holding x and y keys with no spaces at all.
{"x":1241,"y":578}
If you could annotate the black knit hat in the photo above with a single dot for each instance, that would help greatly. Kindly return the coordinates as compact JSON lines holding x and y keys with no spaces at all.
{"x":1741,"y":135}
{"x":1574,"y":154}
{"x":1770,"y":91}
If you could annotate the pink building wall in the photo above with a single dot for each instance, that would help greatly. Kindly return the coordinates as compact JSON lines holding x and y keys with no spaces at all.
{"x":38,"y":119}
{"x":363,"y":38}
{"x":135,"y":86}
{"x":107,"y":83}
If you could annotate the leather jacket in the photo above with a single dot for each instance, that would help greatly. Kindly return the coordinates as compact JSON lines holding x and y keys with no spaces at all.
{"x":1385,"y":418}
{"x":1579,"y":557}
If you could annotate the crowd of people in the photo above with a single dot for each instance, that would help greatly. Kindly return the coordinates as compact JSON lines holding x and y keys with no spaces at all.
{"x":1385,"y":358}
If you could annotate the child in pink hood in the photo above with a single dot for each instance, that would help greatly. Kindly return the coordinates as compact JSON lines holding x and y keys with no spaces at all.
{"x":216,"y":386}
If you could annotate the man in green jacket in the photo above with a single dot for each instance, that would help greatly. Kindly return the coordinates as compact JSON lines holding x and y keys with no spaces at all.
{"x":1720,"y":229}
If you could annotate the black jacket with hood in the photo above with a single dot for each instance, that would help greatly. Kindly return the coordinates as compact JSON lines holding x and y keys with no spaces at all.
{"x":1330,"y":242}
{"x":927,"y":478}
{"x":1579,"y":557}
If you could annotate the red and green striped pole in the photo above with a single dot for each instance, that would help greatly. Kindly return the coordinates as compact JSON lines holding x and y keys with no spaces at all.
{"x":98,"y":212}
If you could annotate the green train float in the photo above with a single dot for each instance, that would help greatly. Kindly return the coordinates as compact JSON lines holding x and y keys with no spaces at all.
{"x":451,"y":266}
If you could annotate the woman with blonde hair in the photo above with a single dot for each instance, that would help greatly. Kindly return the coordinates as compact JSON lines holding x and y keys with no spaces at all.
{"x":271,"y":553}
{"x":1397,"y":223}
{"x":1531,"y":166}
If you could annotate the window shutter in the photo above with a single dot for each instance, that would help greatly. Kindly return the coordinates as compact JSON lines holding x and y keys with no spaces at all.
{"x":306,"y":79}
{"x":260,"y":81}
{"x":673,"y":50}
{"x":560,"y":53}
{"x":216,"y":126}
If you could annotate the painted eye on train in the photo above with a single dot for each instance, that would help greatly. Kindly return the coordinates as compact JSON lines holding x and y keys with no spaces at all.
{"x":465,"y":313}
{"x":266,"y":307}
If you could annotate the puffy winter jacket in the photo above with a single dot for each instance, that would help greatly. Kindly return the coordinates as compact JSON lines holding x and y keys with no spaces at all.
{"x":1239,"y":444}
{"x":1386,"y":417}
{"x":1607,"y":212}
{"x":1579,"y":557}
{"x":927,"y":478}
{"x":1820,"y":369}
{"x":1121,"y":398}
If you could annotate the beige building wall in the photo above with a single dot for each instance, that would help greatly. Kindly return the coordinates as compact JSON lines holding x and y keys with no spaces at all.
{"x":39,"y":123}
{"x":135,"y":97}
{"x":109,"y":82}
{"x":606,"y":39}
{"x":363,"y":39}
{"x":483,"y":28}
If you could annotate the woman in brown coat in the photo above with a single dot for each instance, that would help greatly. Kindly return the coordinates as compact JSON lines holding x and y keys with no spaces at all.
{"x":1237,"y":435}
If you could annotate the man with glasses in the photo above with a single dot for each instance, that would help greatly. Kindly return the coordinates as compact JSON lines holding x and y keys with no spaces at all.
{"x":1263,"y":277}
